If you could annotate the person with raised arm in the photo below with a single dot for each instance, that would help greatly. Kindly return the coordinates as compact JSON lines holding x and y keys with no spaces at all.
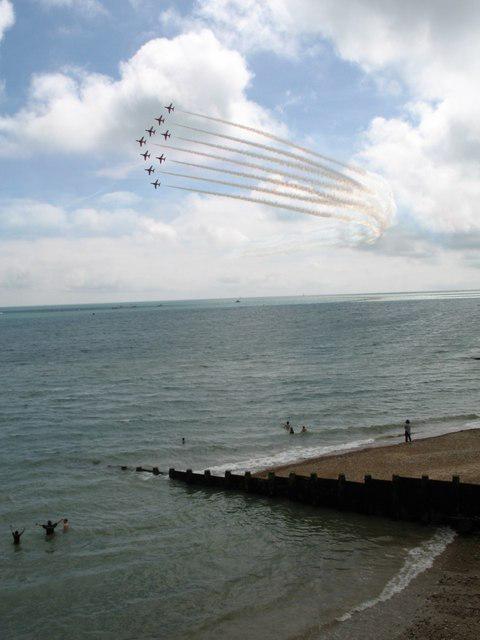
{"x":49,"y":527}
{"x":17,"y":534}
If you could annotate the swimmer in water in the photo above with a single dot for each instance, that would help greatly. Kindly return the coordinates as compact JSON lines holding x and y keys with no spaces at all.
{"x":291,"y":432}
{"x":17,"y":534}
{"x":49,"y":527}
{"x":287,"y":426}
{"x":183,"y":440}
{"x":66,"y":525}
{"x":304,"y":429}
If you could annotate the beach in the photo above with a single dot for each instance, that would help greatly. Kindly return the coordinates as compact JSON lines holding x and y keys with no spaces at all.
{"x":442,"y":602}
{"x":439,"y":457}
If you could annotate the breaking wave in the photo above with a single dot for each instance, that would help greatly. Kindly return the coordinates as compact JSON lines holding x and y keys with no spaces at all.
{"x":418,"y":560}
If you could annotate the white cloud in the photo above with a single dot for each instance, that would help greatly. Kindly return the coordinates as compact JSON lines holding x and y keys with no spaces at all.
{"x":207,"y":247}
{"x":120,"y":199}
{"x":87,"y":7}
{"x":79,"y":112}
{"x":430,"y":153}
{"x":7,"y":17}
{"x":66,"y":269}
{"x":112,"y":215}
{"x":24,"y":217}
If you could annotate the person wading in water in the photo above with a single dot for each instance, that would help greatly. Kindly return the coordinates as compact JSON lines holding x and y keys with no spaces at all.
{"x":17,"y":534}
{"x":49,"y":527}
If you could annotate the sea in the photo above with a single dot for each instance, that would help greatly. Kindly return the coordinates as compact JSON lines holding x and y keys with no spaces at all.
{"x":87,"y":389}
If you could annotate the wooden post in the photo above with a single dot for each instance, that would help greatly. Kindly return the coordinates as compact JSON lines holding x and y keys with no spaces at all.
{"x":156,"y":471}
{"x":271,"y":483}
{"x":248,"y":481}
{"x":395,"y":497}
{"x":138,"y":469}
{"x":313,"y":489}
{"x":340,"y":490}
{"x":456,"y":495}
{"x":171,"y":472}
{"x":369,"y":501}
{"x":292,"y":486}
{"x":189,"y":476}
{"x":228,"y":479}
{"x":426,"y":515}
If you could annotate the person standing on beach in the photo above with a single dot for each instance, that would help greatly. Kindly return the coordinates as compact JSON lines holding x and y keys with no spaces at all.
{"x":408,"y":436}
{"x":17,"y":534}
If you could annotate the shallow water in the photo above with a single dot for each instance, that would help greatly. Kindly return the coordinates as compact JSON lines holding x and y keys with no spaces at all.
{"x":87,"y":387}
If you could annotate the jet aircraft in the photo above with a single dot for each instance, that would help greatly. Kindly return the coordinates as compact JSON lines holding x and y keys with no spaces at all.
{"x":150,"y":169}
{"x":151,"y":131}
{"x":170,"y":108}
{"x":156,"y":184}
{"x":160,"y":120}
{"x":166,"y":134}
{"x":145,"y":155}
{"x":142,"y":141}
{"x":161,"y":158}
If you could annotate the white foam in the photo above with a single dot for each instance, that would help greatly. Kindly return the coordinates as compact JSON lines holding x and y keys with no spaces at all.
{"x":418,"y":560}
{"x":287,"y":457}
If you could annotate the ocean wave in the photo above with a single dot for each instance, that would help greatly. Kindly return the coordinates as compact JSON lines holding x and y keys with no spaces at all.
{"x":425,"y":421}
{"x":418,"y":560}
{"x":380,"y":429}
{"x":286,"y":457}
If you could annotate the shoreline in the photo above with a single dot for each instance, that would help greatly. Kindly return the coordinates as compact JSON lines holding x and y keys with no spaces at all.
{"x":440,"y":457}
{"x":441,"y":603}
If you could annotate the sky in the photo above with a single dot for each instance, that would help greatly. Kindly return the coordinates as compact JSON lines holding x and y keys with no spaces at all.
{"x":392,"y":87}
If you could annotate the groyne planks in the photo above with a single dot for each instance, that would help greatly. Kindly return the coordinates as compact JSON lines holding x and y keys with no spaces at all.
{"x":415,"y":499}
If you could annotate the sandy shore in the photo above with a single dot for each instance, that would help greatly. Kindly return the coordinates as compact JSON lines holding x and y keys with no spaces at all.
{"x":439,"y":457}
{"x":441,"y":604}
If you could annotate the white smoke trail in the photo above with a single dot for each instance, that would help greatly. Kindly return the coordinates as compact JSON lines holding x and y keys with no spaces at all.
{"x":259,"y":167}
{"x":278,"y":205}
{"x":253,"y":176}
{"x":285,"y":163}
{"x":322,"y":200}
{"x":294,"y":156}
{"x":270,"y":136}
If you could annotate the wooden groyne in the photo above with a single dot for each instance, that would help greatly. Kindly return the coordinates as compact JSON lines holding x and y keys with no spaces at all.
{"x":454,"y":503}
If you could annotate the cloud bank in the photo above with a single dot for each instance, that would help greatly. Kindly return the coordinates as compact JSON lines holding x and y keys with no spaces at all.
{"x":430,"y":153}
{"x":7,"y":17}
{"x":81,"y":112}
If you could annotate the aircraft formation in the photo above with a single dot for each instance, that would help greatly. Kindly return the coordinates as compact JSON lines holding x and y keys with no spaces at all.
{"x":300,"y":179}
{"x":152,"y":132}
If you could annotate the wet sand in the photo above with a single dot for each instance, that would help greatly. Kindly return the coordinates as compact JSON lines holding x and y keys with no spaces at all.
{"x":439,"y":457}
{"x":442,"y":603}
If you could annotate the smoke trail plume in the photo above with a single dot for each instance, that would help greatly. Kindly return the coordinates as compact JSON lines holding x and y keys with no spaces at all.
{"x":292,"y":179}
{"x":251,"y":165}
{"x":320,"y":200}
{"x":278,"y":205}
{"x":285,"y":163}
{"x":270,"y":136}
{"x":265,"y":147}
{"x":252,"y":176}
